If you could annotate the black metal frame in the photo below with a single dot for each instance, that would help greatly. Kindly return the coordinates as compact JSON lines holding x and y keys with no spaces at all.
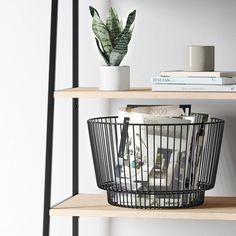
{"x":75,"y":113}
{"x":50,"y":115}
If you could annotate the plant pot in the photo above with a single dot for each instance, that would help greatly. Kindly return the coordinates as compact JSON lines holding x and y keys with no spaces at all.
{"x":114,"y":78}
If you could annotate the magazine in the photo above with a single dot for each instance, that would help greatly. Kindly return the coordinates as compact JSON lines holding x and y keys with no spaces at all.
{"x":196,"y":153}
{"x":201,"y":141}
{"x":151,"y":141}
{"x":166,"y":157}
{"x":186,"y":108}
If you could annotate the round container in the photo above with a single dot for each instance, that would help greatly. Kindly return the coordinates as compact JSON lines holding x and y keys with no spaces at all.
{"x":199,"y":58}
{"x":114,"y":78}
{"x":155,"y":165}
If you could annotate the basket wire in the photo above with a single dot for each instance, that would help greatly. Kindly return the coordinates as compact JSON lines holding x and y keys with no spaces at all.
{"x":155,"y":165}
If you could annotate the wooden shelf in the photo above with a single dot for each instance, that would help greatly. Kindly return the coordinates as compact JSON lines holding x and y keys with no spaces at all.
{"x":140,"y":93}
{"x":95,"y":205}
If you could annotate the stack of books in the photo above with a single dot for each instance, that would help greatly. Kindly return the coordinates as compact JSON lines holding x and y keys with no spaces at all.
{"x":214,"y":81}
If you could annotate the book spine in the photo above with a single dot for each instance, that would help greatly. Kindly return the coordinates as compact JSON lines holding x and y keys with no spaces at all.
{"x":192,"y":80}
{"x":209,"y":88}
{"x":190,"y":74}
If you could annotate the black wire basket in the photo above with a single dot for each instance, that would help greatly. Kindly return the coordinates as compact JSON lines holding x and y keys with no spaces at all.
{"x":155,"y":165}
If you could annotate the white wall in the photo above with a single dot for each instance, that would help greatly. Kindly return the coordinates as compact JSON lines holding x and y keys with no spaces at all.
{"x":162,"y":29}
{"x":23,"y":72}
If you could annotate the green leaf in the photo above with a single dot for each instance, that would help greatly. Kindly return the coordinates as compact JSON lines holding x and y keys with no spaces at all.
{"x":93,"y":11}
{"x":129,"y":22}
{"x":130,"y":33}
{"x":115,"y":58}
{"x":101,"y":32}
{"x":120,"y":50}
{"x":102,"y":52}
{"x":121,"y":42}
{"x":113,"y":24}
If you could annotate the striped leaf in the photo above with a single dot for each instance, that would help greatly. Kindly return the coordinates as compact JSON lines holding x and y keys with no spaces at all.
{"x":121,"y":42}
{"x":120,"y":50}
{"x":101,"y":32}
{"x":121,"y":25}
{"x":113,"y":24}
{"x":129,"y":22}
{"x":102,"y":52}
{"x":93,"y":11}
{"x":131,"y":32}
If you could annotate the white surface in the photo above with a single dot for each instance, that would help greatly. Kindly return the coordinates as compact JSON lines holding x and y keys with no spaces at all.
{"x":114,"y":77}
{"x":162,"y":29}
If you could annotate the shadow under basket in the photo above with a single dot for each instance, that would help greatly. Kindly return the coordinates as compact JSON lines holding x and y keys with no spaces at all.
{"x":155,"y":165}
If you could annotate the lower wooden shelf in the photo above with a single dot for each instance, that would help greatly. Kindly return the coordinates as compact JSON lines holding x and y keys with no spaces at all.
{"x":95,"y":205}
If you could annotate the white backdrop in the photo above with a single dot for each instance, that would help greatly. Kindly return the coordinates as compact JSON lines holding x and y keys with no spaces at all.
{"x":161,"y":31}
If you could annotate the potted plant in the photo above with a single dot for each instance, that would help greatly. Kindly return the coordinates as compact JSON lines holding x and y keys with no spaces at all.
{"x":112,"y":40}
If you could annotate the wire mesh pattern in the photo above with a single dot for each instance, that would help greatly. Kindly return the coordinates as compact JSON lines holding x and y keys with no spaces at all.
{"x":155,"y":165}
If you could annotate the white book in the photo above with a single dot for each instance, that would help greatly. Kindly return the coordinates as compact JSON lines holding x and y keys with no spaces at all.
{"x":193,"y":80}
{"x":194,"y":88}
{"x":181,"y":73}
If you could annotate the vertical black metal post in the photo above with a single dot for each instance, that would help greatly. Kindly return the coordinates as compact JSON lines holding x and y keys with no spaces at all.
{"x":75,"y":119}
{"x":50,"y":118}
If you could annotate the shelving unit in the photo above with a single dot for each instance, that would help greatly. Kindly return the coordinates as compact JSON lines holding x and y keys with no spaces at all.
{"x":95,"y":205}
{"x":215,"y":208}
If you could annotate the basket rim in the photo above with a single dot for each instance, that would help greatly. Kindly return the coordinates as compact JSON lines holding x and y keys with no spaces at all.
{"x":95,"y":120}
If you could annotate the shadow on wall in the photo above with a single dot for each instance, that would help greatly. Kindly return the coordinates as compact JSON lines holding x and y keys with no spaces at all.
{"x":131,"y":227}
{"x":227,"y":171}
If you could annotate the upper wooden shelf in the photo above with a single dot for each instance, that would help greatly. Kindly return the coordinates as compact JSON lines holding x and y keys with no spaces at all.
{"x":140,"y":93}
{"x":95,"y":205}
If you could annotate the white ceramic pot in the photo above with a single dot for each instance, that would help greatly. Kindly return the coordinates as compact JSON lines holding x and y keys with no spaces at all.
{"x":114,"y":78}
